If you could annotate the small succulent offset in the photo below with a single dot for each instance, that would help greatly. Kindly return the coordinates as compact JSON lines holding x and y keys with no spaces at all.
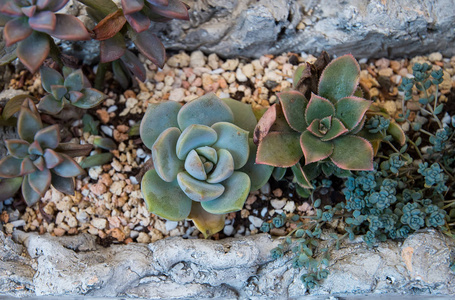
{"x":74,"y":88}
{"x":34,"y":158}
{"x":30,"y":23}
{"x":203,"y":165}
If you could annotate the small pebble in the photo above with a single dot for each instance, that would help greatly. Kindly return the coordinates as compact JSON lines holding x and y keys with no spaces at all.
{"x":278,"y":204}
{"x":255,"y":221}
{"x":228,"y":230}
{"x":170,"y":225}
{"x":99,"y":223}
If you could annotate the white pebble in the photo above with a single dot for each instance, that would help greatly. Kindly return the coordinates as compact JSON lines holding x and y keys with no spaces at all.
{"x":217,"y":71}
{"x":177,"y":94}
{"x":140,"y":153}
{"x":133,"y":180}
{"x":240,"y":76}
{"x":251,"y":227}
{"x":278,"y":204}
{"x":170,"y":225}
{"x":255,"y":221}
{"x":112,"y":108}
{"x":99,"y":223}
{"x":264,"y":211}
{"x":228,"y":230}
{"x":241,"y":229}
{"x":289,"y":207}
{"x":18,"y":223}
{"x":265,"y":189}
{"x":82,"y":216}
{"x":134,"y":234}
{"x":107,"y":130}
{"x":197,"y":59}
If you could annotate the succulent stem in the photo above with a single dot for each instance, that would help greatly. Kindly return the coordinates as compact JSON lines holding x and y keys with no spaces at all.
{"x":100,"y":74}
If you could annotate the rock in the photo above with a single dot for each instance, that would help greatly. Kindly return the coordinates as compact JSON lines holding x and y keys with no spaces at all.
{"x":99,"y":223}
{"x":240,"y":76}
{"x":197,"y":59}
{"x":255,"y":221}
{"x":435,"y":56}
{"x":228,"y":230}
{"x":180,"y":60}
{"x":177,"y":94}
{"x":213,"y":61}
{"x":278,"y":204}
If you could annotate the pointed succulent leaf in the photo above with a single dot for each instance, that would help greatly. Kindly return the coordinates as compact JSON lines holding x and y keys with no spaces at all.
{"x":16,"y":30}
{"x":132,"y":6}
{"x":68,"y":27}
{"x":59,"y":91}
{"x":112,"y":49}
{"x":340,"y":78}
{"x":174,"y":10}
{"x":150,"y":46}
{"x":159,"y":2}
{"x":48,"y":137}
{"x":33,"y":50}
{"x":134,"y":65}
{"x":165,"y":199}
{"x":7,"y":54}
{"x":68,"y":168}
{"x":314,"y":128}
{"x":120,"y":74}
{"x":29,"y":11}
{"x":199,"y":190}
{"x":237,"y":187}
{"x":91,"y":98}
{"x":359,"y":126}
{"x":50,"y":105}
{"x":74,"y":150}
{"x":396,"y":132}
{"x":35,"y":148}
{"x":337,"y":128}
{"x":138,"y":21}
{"x":14,"y":105}
{"x":298,"y":74}
{"x":9,"y":187}
{"x":109,"y":26}
{"x":205,"y":110}
{"x":301,"y":177}
{"x":4,"y":19}
{"x":157,"y":118}
{"x":294,"y":105}
{"x":208,"y":224}
{"x":75,"y":81}
{"x":29,"y":194}
{"x":344,"y":157}
{"x":51,"y":5}
{"x":104,"y":143}
{"x":50,"y":77}
{"x":52,"y":158}
{"x":98,"y":159}
{"x":259,"y":174}
{"x":209,"y":153}
{"x":272,"y":120}
{"x":39,"y":163}
{"x":350,"y":110}
{"x":243,"y":115}
{"x":17,"y":148}
{"x":194,"y":166}
{"x":62,"y":184}
{"x":278,"y":173}
{"x":194,"y":136}
{"x":313,"y":148}
{"x":165,"y":160}
{"x":74,"y":96}
{"x":279,"y":149}
{"x":10,"y":167}
{"x":43,"y":21}
{"x":40,"y":181}
{"x":318,"y":108}
{"x":234,"y":139}
{"x":28,"y":123}
{"x":223,"y":169}
{"x":27,"y":167}
{"x":11,"y":8}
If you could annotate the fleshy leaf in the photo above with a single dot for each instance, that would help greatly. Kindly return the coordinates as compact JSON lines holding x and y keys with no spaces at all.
{"x":50,"y":77}
{"x":237,"y":188}
{"x":158,"y":118}
{"x":29,"y":194}
{"x":40,"y":181}
{"x":194,"y":136}
{"x":112,"y":49}
{"x":51,"y":5}
{"x":17,"y":148}
{"x":209,"y":153}
{"x":174,"y":10}
{"x":278,"y":173}
{"x":105,"y":143}
{"x":165,"y":199}
{"x":298,"y":73}
{"x":28,"y":123}
{"x":294,"y":105}
{"x":59,"y":91}
{"x":91,"y":98}
{"x":62,"y":184}
{"x":70,"y":28}
{"x":121,"y":75}
{"x":194,"y":166}
{"x":138,"y":21}
{"x":134,"y":65}
{"x":235,"y":140}
{"x":318,"y":108}
{"x":279,"y":149}
{"x":199,"y":190}
{"x":301,"y":177}
{"x":75,"y":81}
{"x":33,"y":50}
{"x":35,"y":148}
{"x":396,"y":132}
{"x":43,"y":21}
{"x":150,"y":46}
{"x":52,"y":158}
{"x":224,"y":168}
{"x":205,"y":110}
{"x":165,"y":160}
{"x":352,"y":153}
{"x":74,"y":150}
{"x":74,"y":96}
{"x":350,"y":110}
{"x":50,"y":105}
{"x":109,"y":26}
{"x":336,"y":130}
{"x":243,"y":115}
{"x":132,"y":6}
{"x":39,"y":163}
{"x":314,"y":128}
{"x":10,"y":167}
{"x":208,"y":224}
{"x":68,"y":168}
{"x":27,"y":167}
{"x":340,"y":78}
{"x":259,"y":174}
{"x":313,"y":148}
{"x":10,"y":186}
{"x":16,"y":30}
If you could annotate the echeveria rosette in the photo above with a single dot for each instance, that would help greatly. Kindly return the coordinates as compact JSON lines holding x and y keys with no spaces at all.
{"x":34,"y":158}
{"x":30,"y":23}
{"x":202,"y":164}
{"x":74,"y":88}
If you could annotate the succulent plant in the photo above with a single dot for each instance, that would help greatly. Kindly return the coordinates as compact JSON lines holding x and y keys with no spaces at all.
{"x":203,"y":166}
{"x":74,"y":88}
{"x":34,"y":158}
{"x":320,"y":130}
{"x":30,"y":23}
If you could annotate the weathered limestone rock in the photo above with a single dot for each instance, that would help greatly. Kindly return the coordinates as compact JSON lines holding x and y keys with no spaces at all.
{"x":231,"y":268}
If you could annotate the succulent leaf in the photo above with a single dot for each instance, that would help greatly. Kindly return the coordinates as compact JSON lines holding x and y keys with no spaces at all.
{"x":50,"y":77}
{"x":51,"y":5}
{"x":340,"y":78}
{"x":68,"y":27}
{"x":17,"y":148}
{"x":10,"y":167}
{"x":112,"y":49}
{"x":48,"y":137}
{"x":195,"y":136}
{"x":43,"y":21}
{"x":199,"y":190}
{"x":279,"y":149}
{"x":236,"y":190}
{"x":234,"y":139}
{"x":33,"y":50}
{"x":40,"y":181}
{"x":35,"y":149}
{"x":98,"y":159}
{"x":109,"y":26}
{"x":39,"y":163}
{"x":224,"y":167}
{"x":10,"y":186}
{"x":165,"y":199}
{"x":132,"y":6}
{"x":28,"y":124}
{"x":207,"y":110}
{"x":150,"y":46}
{"x":138,"y":21}
{"x":62,"y":184}
{"x":29,"y":194}
{"x":301,"y":177}
{"x":104,"y":143}
{"x":165,"y":160}
{"x":318,"y":108}
{"x":350,"y":110}
{"x":134,"y":65}
{"x":91,"y":97}
{"x":194,"y":166}
{"x":58,"y":91}
{"x":50,"y":105}
{"x":27,"y":167}
{"x":396,"y":132}
{"x":74,"y":96}
{"x":68,"y":167}
{"x":51,"y":158}
{"x":16,"y":30}
{"x":174,"y":10}
{"x":243,"y":115}
{"x":208,"y":224}
{"x":337,"y":128}
{"x":209,"y":153}
{"x":259,"y":174}
{"x":74,"y":81}
{"x":294,"y":105}
{"x":314,"y":149}
{"x":158,"y":118}
{"x":344,"y":158}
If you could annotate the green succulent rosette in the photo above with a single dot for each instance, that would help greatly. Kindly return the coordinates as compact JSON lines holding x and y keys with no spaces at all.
{"x":204,"y":160}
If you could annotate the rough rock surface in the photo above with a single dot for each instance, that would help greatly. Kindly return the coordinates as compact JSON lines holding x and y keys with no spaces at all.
{"x":392,"y":28}
{"x":232,"y":268}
